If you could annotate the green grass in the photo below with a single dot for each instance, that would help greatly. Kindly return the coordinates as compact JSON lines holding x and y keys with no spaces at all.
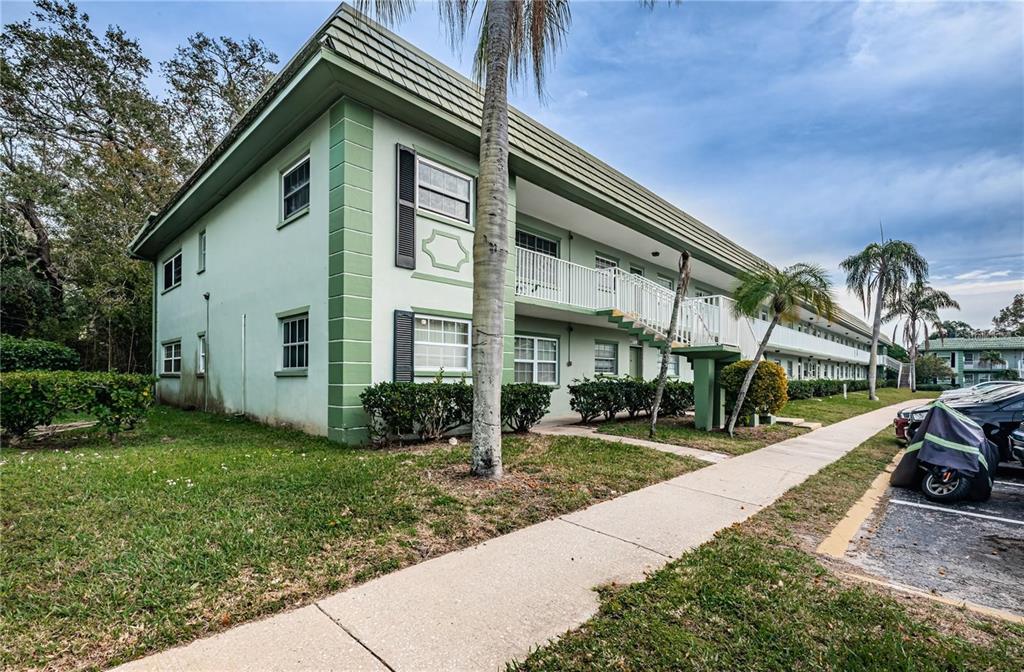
{"x":196,"y":522}
{"x":828,"y":410}
{"x":682,"y":432}
{"x":754,"y":598}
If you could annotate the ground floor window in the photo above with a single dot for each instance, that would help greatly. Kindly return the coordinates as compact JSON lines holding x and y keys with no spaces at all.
{"x":172,"y":357}
{"x":536,"y":360}
{"x":441,"y":343}
{"x":606,"y":358}
{"x":295,"y":342}
{"x":201,"y":358}
{"x":673,"y":366}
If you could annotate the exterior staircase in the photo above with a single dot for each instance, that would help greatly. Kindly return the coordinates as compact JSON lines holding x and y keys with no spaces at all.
{"x":644,"y":332}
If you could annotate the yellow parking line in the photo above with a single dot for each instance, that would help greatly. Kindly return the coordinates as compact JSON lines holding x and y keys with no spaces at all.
{"x":836,"y":543}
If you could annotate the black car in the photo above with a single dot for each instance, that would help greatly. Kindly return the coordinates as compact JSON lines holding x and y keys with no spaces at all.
{"x":1017,"y":443}
{"x":999,"y":413}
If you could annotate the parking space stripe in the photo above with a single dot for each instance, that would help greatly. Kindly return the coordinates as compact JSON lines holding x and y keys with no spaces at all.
{"x":972,"y":514}
{"x":1016,"y":485}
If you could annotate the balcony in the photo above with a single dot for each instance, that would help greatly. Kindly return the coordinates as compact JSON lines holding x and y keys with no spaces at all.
{"x":704,"y":321}
{"x":985,"y":366}
{"x":791,"y":340}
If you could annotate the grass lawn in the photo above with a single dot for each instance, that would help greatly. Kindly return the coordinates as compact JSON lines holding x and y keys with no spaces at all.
{"x":827,"y":410}
{"x":756,"y":598}
{"x":682,"y":432}
{"x":196,"y":522}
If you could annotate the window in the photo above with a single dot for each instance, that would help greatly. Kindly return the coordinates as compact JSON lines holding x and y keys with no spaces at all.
{"x":606,"y":281}
{"x":443,"y":191}
{"x":202,"y":252}
{"x":606,"y":358}
{"x":201,"y":358}
{"x":664,"y":282}
{"x":172,"y":271}
{"x":536,"y":360}
{"x":295,"y":342}
{"x":673,"y":366}
{"x":531,"y":241}
{"x":441,"y":343}
{"x":789,"y":368}
{"x":968,"y":358}
{"x":636,"y":270}
{"x":172,"y":357}
{"x":295,"y":189}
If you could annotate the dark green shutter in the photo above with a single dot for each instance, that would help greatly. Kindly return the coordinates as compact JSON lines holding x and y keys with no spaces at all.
{"x":404,"y":326}
{"x":405,"y":225}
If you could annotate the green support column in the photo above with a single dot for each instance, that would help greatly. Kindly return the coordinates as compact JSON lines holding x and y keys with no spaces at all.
{"x":718,"y":397}
{"x":349,"y":294}
{"x":704,"y":393}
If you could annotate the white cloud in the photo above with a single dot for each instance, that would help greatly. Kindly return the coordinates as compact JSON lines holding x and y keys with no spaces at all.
{"x":979,"y":275}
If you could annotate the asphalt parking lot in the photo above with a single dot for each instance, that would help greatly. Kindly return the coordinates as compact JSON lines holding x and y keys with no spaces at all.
{"x":971,"y":551}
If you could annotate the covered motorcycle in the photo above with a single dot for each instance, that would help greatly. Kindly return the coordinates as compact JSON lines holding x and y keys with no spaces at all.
{"x":948,"y":457}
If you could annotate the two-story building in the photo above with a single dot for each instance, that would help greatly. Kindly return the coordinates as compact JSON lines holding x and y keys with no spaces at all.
{"x":325,"y":245}
{"x":976,"y":360}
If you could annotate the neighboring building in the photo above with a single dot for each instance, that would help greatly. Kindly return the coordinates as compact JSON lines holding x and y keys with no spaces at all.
{"x":326,"y":245}
{"x":966,"y":356}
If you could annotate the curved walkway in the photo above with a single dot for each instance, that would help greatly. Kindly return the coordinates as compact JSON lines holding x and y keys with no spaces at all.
{"x":478,"y":608}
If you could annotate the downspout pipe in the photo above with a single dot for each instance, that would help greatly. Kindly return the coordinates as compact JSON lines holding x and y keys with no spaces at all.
{"x":206,"y":355}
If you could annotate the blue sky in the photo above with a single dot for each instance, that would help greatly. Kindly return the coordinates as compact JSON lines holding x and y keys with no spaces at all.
{"x":794,"y":128}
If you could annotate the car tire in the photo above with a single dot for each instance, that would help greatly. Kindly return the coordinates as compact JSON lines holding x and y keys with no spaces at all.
{"x":938,"y":490}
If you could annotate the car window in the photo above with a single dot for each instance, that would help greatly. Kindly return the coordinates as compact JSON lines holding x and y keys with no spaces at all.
{"x":1015,"y":406}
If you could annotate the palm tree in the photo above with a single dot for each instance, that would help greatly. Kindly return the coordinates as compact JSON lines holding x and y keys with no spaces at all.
{"x":666,"y":350}
{"x":882,"y":270}
{"x":991,"y":357}
{"x":919,"y":306}
{"x":783,"y":292}
{"x":517,"y":40}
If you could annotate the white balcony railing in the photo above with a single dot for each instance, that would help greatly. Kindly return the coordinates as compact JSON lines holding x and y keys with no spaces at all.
{"x":703,"y":321}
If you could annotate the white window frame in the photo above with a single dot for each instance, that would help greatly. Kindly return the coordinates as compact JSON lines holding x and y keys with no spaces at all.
{"x":614,"y":359}
{"x":175,"y":280}
{"x":298,"y":346}
{"x":468,"y":346}
{"x":535,"y":362}
{"x":470,"y":205}
{"x":171,"y":362}
{"x":674,"y":366}
{"x":538,"y":236}
{"x":665,"y":281}
{"x":201,"y":356}
{"x":968,"y":359}
{"x":202,"y":252}
{"x":307,"y":185}
{"x":605,"y":282}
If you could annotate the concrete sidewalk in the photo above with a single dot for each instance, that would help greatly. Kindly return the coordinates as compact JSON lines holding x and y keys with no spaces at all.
{"x":478,"y":608}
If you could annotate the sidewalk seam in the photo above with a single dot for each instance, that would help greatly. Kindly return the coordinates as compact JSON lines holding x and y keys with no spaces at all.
{"x":352,"y":635}
{"x":612,"y":536}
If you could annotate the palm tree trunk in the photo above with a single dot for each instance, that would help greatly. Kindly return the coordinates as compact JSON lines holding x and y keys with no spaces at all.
{"x":913,"y":356}
{"x":747,"y":379}
{"x":876,"y":332}
{"x":490,"y":246}
{"x":666,"y":352}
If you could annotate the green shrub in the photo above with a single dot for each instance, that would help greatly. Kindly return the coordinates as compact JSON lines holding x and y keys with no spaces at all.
{"x":524,"y":404}
{"x":429,"y":411}
{"x":32,"y":398}
{"x":820,"y":387}
{"x":767,"y":393}
{"x":34,"y":354}
{"x":592,"y":398}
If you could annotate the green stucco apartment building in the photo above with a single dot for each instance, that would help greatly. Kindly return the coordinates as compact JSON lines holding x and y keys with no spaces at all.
{"x":324,"y":245}
{"x":967,"y":357}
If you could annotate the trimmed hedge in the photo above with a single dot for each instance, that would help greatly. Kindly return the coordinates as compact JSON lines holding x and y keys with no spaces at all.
{"x":429,"y":411}
{"x":32,"y":398}
{"x":806,"y":389}
{"x":592,"y":398}
{"x":767,"y":392}
{"x":35,"y":354}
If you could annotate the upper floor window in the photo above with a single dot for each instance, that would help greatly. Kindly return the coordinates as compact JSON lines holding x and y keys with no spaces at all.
{"x":202,"y":252}
{"x":443,"y":190}
{"x":968,"y":358}
{"x":664,"y":282}
{"x":536,"y":360}
{"x":295,"y":342}
{"x":201,"y":356}
{"x":172,"y":357}
{"x":172,"y":271}
{"x":636,"y":270}
{"x":531,"y":241}
{"x":440,"y":343}
{"x":295,"y":188}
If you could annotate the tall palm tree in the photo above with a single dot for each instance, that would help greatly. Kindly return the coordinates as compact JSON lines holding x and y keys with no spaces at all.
{"x":517,"y":40}
{"x":666,"y":350}
{"x":883,"y":270}
{"x":783,"y":292}
{"x":919,"y":307}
